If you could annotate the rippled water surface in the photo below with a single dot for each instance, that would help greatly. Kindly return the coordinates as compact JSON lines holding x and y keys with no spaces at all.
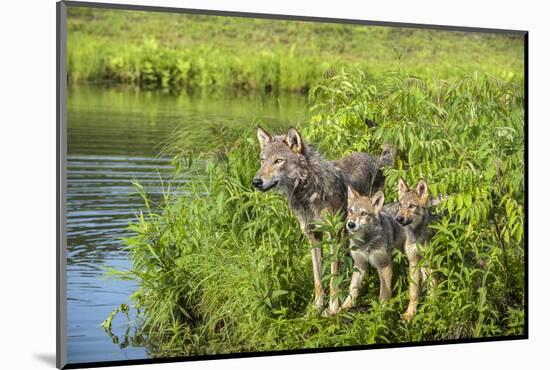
{"x":115,"y":136}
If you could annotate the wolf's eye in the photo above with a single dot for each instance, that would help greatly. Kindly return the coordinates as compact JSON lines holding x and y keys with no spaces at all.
{"x":363,"y":213}
{"x":411,"y":206}
{"x":277,"y":161}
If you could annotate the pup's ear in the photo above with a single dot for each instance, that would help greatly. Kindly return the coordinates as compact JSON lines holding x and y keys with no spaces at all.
{"x":352,"y":194}
{"x":294,"y":141}
{"x":263,"y":136}
{"x":378,"y":201}
{"x":422,"y":191}
{"x":402,"y":187}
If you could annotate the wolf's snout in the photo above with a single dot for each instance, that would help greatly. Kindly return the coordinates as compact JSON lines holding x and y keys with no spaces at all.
{"x":403,"y":221}
{"x":257,"y":182}
{"x":351,"y":225}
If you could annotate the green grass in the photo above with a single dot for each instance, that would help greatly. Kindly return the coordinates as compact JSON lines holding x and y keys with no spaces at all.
{"x":226,"y":269}
{"x":178,"y":51}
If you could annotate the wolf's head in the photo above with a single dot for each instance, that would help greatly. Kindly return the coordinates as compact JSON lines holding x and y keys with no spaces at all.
{"x":281,"y":158}
{"x":413,"y":203}
{"x":363,"y":212}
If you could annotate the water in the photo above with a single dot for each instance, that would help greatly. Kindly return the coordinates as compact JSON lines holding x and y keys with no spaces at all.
{"x":115,"y":135}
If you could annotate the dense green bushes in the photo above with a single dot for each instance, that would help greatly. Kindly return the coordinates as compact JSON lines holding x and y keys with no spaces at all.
{"x":226,"y":268}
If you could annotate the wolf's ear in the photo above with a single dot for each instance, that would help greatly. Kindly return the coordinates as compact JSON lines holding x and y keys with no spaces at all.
{"x":378,"y":201}
{"x":422,"y":191}
{"x":402,"y":187}
{"x":352,"y":194}
{"x":263,"y":136}
{"x":294,"y":141}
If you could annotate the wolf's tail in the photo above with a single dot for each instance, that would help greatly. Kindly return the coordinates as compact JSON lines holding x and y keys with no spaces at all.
{"x":387,"y":158}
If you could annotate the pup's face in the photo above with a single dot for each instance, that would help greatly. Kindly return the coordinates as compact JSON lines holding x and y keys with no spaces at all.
{"x":363,"y":212}
{"x":278,"y":159}
{"x":412,"y":203}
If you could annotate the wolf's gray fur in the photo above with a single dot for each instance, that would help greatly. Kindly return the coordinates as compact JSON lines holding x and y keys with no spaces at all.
{"x":374,"y":234}
{"x":414,"y":215}
{"x":363,"y":171}
{"x":314,"y":186}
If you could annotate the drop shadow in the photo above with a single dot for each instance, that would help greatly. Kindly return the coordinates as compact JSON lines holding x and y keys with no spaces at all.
{"x":47,"y":358}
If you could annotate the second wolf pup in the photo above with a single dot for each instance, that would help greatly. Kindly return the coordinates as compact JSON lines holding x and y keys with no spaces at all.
{"x":414,"y":216}
{"x":374,"y":233}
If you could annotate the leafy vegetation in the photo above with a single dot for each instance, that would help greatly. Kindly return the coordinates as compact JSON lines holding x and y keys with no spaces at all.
{"x":182,"y":51}
{"x":226,"y":268}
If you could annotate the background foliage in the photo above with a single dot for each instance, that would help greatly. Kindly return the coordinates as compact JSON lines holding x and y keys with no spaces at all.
{"x":179,"y":51}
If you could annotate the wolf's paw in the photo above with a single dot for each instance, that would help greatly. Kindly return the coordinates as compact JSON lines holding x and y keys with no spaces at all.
{"x":313,"y":312}
{"x":407,"y":316}
{"x":329,"y":312}
{"x":347,"y":305}
{"x":343,"y":309}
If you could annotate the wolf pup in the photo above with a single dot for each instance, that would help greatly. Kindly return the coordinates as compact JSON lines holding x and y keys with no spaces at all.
{"x":374,"y":234}
{"x":414,"y":215}
{"x":313,"y":186}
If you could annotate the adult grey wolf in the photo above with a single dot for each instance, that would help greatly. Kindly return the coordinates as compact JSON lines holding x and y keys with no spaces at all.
{"x":374,"y":233}
{"x":313,"y":186}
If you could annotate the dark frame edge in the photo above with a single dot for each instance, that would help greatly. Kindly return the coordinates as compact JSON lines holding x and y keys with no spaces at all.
{"x":61,"y":125}
{"x":526,"y":180}
{"x":164,"y":9}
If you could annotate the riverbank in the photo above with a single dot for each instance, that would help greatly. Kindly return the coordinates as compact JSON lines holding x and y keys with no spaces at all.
{"x":177,"y":51}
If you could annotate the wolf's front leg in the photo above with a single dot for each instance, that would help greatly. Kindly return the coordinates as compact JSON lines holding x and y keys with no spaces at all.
{"x":334,"y":300}
{"x":316,"y":258}
{"x":354,"y":290}
{"x":385,"y":274}
{"x":414,"y":281}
